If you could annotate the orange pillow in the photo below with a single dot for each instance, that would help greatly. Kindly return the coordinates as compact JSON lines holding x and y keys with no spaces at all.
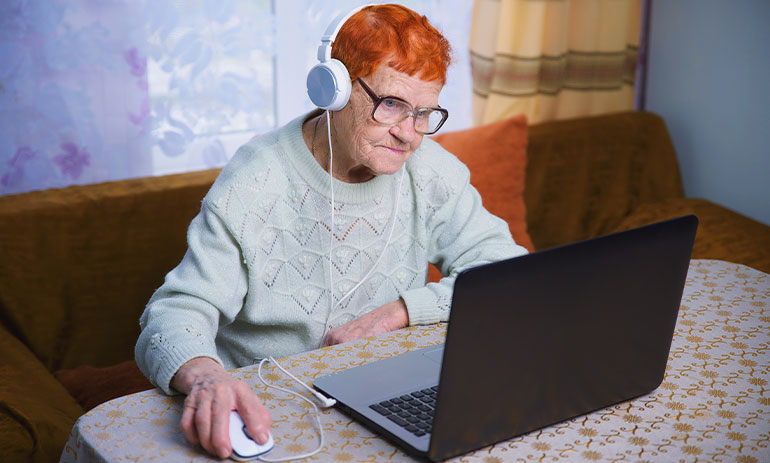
{"x":496,"y":155}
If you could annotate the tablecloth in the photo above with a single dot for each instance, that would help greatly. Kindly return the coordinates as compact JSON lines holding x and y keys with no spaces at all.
{"x":713,"y":404}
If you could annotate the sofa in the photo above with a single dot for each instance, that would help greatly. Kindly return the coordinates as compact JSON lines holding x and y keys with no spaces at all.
{"x":78,"y":264}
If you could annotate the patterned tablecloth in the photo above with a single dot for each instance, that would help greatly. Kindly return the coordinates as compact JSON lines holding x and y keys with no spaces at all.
{"x":713,"y":405}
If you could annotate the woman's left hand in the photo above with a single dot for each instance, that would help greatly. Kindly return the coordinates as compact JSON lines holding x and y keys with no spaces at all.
{"x":389,"y":317}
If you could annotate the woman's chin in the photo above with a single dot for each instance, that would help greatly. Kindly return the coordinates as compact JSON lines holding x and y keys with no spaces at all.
{"x":393,"y":164}
{"x":390,"y":169}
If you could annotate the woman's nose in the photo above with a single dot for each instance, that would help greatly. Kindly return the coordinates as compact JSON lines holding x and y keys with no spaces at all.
{"x":404,"y":130}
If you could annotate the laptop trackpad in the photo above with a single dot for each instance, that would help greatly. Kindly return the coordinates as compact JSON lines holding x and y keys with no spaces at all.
{"x":376,"y":381}
{"x":436,"y":354}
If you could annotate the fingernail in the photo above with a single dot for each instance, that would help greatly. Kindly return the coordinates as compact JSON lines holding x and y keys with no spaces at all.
{"x":262,"y":438}
{"x":223,"y":452}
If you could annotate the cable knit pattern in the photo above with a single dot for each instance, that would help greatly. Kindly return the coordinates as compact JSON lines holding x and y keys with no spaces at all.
{"x":255,"y":279}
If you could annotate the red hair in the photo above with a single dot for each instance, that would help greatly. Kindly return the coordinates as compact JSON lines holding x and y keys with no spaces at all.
{"x":395,"y":36}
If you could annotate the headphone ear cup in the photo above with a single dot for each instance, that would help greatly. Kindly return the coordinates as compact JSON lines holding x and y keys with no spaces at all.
{"x":328,"y":85}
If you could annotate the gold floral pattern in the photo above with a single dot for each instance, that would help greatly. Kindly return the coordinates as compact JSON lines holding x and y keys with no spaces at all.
{"x":713,"y":405}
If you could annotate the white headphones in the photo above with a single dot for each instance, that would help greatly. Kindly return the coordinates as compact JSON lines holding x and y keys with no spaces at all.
{"x":328,"y":82}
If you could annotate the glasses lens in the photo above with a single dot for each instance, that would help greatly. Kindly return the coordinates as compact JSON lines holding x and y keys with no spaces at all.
{"x":434,"y":120}
{"x":391,"y":111}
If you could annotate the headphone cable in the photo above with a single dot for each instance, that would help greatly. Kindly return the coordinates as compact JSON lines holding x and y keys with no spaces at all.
{"x":332,"y":305}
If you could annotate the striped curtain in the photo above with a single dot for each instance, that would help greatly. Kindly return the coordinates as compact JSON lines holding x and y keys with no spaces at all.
{"x":553,"y":59}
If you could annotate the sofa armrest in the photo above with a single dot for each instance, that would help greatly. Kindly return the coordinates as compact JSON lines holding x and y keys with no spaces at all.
{"x":722,"y":234}
{"x":78,"y":264}
{"x":36,"y":412}
{"x":92,"y":386}
{"x":584,"y":175}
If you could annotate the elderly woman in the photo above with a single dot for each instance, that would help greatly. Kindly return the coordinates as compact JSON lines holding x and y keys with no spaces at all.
{"x":284,"y":259}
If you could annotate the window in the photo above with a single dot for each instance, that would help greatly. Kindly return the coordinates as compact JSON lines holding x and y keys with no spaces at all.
{"x":95,"y":91}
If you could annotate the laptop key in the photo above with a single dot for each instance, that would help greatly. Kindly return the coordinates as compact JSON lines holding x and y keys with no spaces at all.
{"x":380,"y":409}
{"x":419,"y":433}
{"x":423,"y":425}
{"x":398,"y":420}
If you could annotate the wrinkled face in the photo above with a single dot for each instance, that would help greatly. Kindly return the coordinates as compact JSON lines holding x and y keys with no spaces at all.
{"x":362,"y":147}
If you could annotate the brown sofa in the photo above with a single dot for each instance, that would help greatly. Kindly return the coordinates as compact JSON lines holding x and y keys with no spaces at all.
{"x":77,"y":265}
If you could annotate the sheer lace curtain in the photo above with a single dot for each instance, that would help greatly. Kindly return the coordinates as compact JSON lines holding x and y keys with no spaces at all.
{"x":95,"y":91}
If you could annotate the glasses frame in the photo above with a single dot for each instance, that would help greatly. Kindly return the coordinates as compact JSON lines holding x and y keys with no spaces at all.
{"x":379,"y":99}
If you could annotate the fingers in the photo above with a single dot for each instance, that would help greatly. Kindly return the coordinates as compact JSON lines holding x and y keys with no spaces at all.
{"x":200,"y":427}
{"x":359,"y":328}
{"x":255,"y":417}
{"x":342,"y":333}
{"x":329,"y":339}
{"x":388,"y":317}
{"x":203,"y":425}
{"x":220,"y":429}
{"x":206,"y":414}
{"x":188,"y":421}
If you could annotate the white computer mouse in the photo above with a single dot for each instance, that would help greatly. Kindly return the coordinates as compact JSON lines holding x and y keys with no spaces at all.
{"x":244,"y":448}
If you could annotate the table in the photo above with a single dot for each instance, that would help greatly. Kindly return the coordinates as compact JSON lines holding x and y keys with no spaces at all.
{"x":713,"y":404}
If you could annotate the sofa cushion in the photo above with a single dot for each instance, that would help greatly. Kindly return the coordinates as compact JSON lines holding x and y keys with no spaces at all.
{"x":496,"y":155}
{"x":36,"y":412}
{"x":584,"y":175}
{"x":722,"y":233}
{"x":93,"y":386}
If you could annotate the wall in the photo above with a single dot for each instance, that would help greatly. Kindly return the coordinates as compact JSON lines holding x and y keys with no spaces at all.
{"x":708,"y":74}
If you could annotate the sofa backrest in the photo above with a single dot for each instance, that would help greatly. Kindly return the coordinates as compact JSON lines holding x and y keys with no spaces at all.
{"x":78,"y":264}
{"x":585,"y":175}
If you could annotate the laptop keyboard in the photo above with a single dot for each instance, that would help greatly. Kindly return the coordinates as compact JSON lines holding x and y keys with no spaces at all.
{"x":413,"y":412}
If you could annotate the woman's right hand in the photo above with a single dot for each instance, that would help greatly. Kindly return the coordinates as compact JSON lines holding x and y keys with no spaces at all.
{"x":211,"y":394}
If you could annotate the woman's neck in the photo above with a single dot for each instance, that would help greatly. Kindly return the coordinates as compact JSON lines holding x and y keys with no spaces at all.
{"x":314,"y":132}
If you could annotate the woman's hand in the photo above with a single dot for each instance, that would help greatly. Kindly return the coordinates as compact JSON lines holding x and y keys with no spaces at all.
{"x":389,"y":317}
{"x":211,"y":394}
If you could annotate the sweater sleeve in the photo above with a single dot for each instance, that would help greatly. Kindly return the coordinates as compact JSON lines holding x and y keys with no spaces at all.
{"x":463,"y":234}
{"x":205,"y":291}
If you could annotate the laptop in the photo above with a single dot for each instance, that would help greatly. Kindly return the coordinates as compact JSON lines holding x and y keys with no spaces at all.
{"x":531,"y":341}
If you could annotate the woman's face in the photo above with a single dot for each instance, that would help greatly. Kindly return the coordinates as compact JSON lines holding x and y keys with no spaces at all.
{"x":362,"y":147}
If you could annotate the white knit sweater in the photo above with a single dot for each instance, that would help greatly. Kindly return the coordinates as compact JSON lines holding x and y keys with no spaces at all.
{"x":255,"y":279}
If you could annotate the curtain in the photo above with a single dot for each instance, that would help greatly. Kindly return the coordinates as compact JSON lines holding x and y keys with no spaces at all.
{"x":94,"y":91}
{"x":553,"y":59}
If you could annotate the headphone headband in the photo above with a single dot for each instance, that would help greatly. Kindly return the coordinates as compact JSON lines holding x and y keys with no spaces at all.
{"x":325,"y":49}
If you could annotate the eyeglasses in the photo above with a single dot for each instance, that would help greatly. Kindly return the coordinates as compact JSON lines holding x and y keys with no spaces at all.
{"x":390,"y":110}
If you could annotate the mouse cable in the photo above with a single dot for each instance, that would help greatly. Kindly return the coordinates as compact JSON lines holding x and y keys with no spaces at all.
{"x":327,"y":402}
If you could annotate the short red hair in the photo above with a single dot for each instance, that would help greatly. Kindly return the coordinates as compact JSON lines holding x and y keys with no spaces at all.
{"x":395,"y":36}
